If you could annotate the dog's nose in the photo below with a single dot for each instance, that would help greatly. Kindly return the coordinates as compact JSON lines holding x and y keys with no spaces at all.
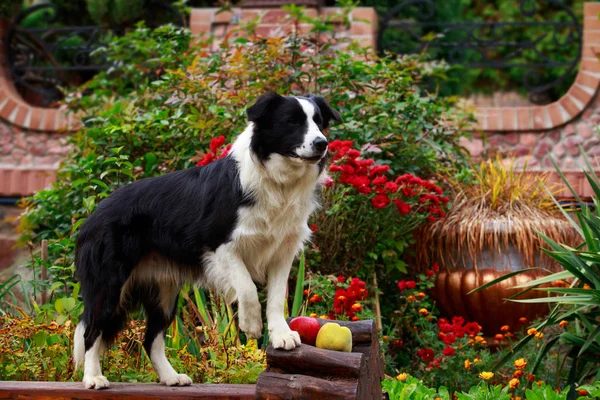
{"x":320,"y":144}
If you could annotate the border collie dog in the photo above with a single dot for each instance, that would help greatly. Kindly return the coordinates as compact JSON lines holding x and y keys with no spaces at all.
{"x":236,"y":222}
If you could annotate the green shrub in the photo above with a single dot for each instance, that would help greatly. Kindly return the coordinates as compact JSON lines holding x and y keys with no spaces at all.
{"x":164,"y":99}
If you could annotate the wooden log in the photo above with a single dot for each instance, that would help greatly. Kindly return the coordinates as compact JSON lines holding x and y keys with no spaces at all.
{"x":309,"y":360}
{"x":273,"y":386}
{"x":362,"y":331}
{"x":122,"y":391}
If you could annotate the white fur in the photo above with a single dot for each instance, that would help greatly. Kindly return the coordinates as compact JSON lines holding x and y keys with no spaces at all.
{"x":307,"y":150}
{"x":92,"y":372}
{"x":166,"y":374}
{"x":79,"y":345}
{"x":266,"y":239}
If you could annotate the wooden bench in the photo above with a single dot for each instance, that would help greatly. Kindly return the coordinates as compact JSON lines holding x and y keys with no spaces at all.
{"x":303,"y":373}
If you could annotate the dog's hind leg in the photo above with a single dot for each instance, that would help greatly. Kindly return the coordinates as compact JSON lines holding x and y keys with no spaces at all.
{"x":94,"y":347}
{"x":160,"y":310}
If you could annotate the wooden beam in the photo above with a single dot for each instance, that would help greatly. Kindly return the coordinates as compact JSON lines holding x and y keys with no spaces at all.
{"x":122,"y":391}
{"x":274,"y":386}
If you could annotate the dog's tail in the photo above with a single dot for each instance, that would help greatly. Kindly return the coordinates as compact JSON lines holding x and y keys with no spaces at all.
{"x":79,"y":345}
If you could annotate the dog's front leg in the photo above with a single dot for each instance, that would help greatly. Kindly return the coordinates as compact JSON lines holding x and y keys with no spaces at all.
{"x":231,"y":269}
{"x":280,"y":334}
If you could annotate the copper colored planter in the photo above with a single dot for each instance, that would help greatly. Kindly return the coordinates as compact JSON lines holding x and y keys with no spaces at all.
{"x":488,"y":307}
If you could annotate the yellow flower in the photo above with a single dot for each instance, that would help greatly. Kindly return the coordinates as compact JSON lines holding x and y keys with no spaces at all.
{"x":513,"y":383}
{"x":402,"y":377}
{"x":486,"y":375}
{"x":313,"y":315}
{"x":476,"y":360}
{"x":467,"y":364}
{"x":479,"y":339}
{"x":324,"y":316}
{"x":532,"y":331}
{"x":539,"y":336}
{"x":423,"y":311}
{"x":520,"y":363}
{"x":563,"y":323}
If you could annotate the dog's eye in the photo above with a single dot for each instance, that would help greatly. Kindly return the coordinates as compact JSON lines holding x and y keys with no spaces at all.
{"x":294,"y":121}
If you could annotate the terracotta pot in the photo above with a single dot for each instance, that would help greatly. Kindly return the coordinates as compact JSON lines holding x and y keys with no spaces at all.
{"x":488,"y":307}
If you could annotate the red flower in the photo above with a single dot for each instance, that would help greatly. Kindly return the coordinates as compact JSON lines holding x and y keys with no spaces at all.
{"x":313,"y":227}
{"x":391,"y":187}
{"x":328,"y":182}
{"x":426,"y":354}
{"x":403,"y":208}
{"x":379,"y":169}
{"x":208,"y":158}
{"x":341,"y":279}
{"x":435,"y":267}
{"x":449,"y":339}
{"x":458,"y":321}
{"x":359,"y":181}
{"x":448,"y":351}
{"x":446,"y":328}
{"x":402,"y":285}
{"x":216,"y":143}
{"x":335,"y":168}
{"x":411,"y":284}
{"x":429,"y":274}
{"x":380,"y":180}
{"x":380,"y":201}
{"x":472,"y":328}
{"x":364,"y":190}
{"x":348,"y":169}
{"x":459,"y":331}
{"x":353,"y":153}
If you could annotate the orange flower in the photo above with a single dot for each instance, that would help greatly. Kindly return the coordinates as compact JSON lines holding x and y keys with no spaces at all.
{"x":476,"y":360}
{"x":355,"y":318}
{"x":324,"y":316}
{"x":540,"y":382}
{"x":305,"y":292}
{"x":467,"y":364}
{"x":563,"y":323}
{"x":342,"y":298}
{"x":532,"y":331}
{"x":518,"y":374}
{"x":505,"y":328}
{"x":586,"y":286}
{"x":582,"y":392}
{"x":315,"y":298}
{"x":411,"y":298}
{"x":523,"y":320}
{"x":423,"y":311}
{"x":499,"y":336}
{"x":486,"y":375}
{"x":420,"y":295}
{"x":539,"y":336}
{"x":520,"y":363}
{"x":479,"y":339}
{"x":530,"y":377}
{"x":402,"y":377}
{"x":560,"y":283}
{"x":386,"y":338}
{"x":513,"y":383}
{"x":313,"y":315}
{"x":356,"y":307}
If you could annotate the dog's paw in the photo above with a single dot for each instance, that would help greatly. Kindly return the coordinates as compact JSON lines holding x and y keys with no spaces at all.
{"x":177,"y":380}
{"x":285,"y":340}
{"x":251,"y":322}
{"x":95,"y":382}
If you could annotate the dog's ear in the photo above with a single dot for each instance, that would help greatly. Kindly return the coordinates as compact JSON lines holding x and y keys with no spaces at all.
{"x":327,"y":112}
{"x":257,"y":110}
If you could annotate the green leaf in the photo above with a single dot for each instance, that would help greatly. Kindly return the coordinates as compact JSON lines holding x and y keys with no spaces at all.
{"x":298,"y":293}
{"x":500,"y":279}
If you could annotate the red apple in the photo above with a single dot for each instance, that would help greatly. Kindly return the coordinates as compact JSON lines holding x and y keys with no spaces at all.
{"x":307,"y":328}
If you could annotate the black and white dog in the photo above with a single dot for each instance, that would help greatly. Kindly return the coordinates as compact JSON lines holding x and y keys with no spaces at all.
{"x":239,"y":220}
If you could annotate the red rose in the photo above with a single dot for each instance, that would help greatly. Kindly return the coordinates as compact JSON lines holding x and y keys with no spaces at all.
{"x":472,"y":328}
{"x":353,"y":153}
{"x":458,"y":321}
{"x":446,"y":328}
{"x":391,"y":187}
{"x":313,"y":227}
{"x":380,"y":180}
{"x":426,"y":354}
{"x":379,"y":169}
{"x":335,"y":168}
{"x":429,"y":274}
{"x":364,"y":189}
{"x":411,"y":284}
{"x":448,"y":351}
{"x":380,"y":201}
{"x":403,"y":208}
{"x":341,"y":279}
{"x":435,"y":267}
{"x":216,"y":143}
{"x":402,"y":285}
{"x":449,"y":339}
{"x":459,"y":331}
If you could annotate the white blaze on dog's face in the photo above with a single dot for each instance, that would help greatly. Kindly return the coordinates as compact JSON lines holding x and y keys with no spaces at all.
{"x":291,"y":127}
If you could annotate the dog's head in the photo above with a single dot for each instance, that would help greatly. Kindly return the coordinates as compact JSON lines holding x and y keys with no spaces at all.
{"x":291,"y":127}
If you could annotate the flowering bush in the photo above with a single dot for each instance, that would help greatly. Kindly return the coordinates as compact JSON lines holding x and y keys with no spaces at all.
{"x":369,"y":213}
{"x":337,"y":298}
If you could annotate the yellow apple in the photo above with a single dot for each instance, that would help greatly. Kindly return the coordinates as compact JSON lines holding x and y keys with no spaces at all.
{"x":332,"y":336}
